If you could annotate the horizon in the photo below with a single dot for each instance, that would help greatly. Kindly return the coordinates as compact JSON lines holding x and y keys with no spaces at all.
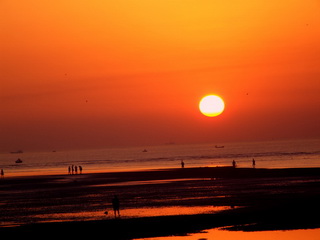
{"x":142,"y":147}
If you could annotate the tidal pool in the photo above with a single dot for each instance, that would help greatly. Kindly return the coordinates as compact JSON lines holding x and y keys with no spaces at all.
{"x":219,"y":234}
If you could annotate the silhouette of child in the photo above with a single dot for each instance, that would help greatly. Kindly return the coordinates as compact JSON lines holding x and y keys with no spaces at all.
{"x":116,"y":205}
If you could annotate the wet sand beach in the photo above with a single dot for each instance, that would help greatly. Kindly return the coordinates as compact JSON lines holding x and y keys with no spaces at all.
{"x":161,"y":202}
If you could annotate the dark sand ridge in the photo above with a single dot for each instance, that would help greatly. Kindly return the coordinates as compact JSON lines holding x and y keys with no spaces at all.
{"x":270,"y":199}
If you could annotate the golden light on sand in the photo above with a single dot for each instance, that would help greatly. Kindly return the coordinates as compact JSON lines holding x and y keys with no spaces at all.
{"x":211,"y":105}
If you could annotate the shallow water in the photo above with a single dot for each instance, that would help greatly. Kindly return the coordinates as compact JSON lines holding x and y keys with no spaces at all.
{"x":125,"y":213}
{"x":219,"y":234}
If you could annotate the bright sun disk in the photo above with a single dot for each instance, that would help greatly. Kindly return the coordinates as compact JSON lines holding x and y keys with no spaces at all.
{"x":211,"y":105}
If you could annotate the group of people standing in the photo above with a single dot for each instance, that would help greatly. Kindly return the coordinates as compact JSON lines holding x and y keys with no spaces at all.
{"x":74,"y":169}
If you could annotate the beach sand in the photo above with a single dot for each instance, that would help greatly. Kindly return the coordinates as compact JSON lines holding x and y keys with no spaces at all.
{"x":160,"y":202}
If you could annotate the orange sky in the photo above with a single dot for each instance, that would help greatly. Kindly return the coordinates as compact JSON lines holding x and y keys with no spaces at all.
{"x":117,"y":73}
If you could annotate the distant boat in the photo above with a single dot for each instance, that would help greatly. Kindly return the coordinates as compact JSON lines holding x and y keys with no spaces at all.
{"x":145,"y":150}
{"x":18,"y":151}
{"x":216,"y":146}
{"x":18,"y":160}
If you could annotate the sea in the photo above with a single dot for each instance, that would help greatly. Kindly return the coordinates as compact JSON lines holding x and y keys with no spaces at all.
{"x":267,"y":154}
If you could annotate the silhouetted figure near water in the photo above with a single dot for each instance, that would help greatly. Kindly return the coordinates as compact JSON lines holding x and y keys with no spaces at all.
{"x":234,"y":164}
{"x":72,"y":169}
{"x":76,"y":170}
{"x":182,"y":164}
{"x":69,"y":170}
{"x":116,"y":206}
{"x":80,"y":169}
{"x":2,"y":173}
{"x":253,"y":163}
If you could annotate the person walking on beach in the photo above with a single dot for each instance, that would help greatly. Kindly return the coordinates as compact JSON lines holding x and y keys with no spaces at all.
{"x":253,"y":163}
{"x":234,"y":164}
{"x":2,"y":173}
{"x":182,"y":164}
{"x":116,"y":206}
{"x":80,"y":169}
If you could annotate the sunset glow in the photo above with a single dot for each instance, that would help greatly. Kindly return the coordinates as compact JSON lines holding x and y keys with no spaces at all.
{"x":122,"y":73}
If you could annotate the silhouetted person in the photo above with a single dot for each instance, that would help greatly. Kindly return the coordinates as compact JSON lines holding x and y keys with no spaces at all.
{"x":76,"y":170}
{"x":182,"y":164}
{"x":234,"y":164}
{"x":116,"y":206}
{"x":253,"y":163}
{"x":72,"y":169}
{"x":2,"y":173}
{"x":80,"y":169}
{"x":69,"y":170}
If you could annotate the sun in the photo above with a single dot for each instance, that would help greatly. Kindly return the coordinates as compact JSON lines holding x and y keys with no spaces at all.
{"x":211,"y":105}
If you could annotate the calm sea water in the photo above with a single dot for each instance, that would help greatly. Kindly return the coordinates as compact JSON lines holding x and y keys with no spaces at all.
{"x":272,"y":154}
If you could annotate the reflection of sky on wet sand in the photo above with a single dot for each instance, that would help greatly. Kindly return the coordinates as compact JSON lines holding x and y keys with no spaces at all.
{"x":216,"y":234}
{"x":174,"y":210}
{"x":131,"y":213}
{"x":147,"y":182}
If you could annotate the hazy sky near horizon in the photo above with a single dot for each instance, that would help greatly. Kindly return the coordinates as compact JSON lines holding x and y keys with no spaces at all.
{"x":77,"y":74}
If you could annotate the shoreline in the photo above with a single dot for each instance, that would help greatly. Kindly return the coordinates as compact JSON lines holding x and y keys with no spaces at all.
{"x":267,"y":199}
{"x":221,"y":171}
